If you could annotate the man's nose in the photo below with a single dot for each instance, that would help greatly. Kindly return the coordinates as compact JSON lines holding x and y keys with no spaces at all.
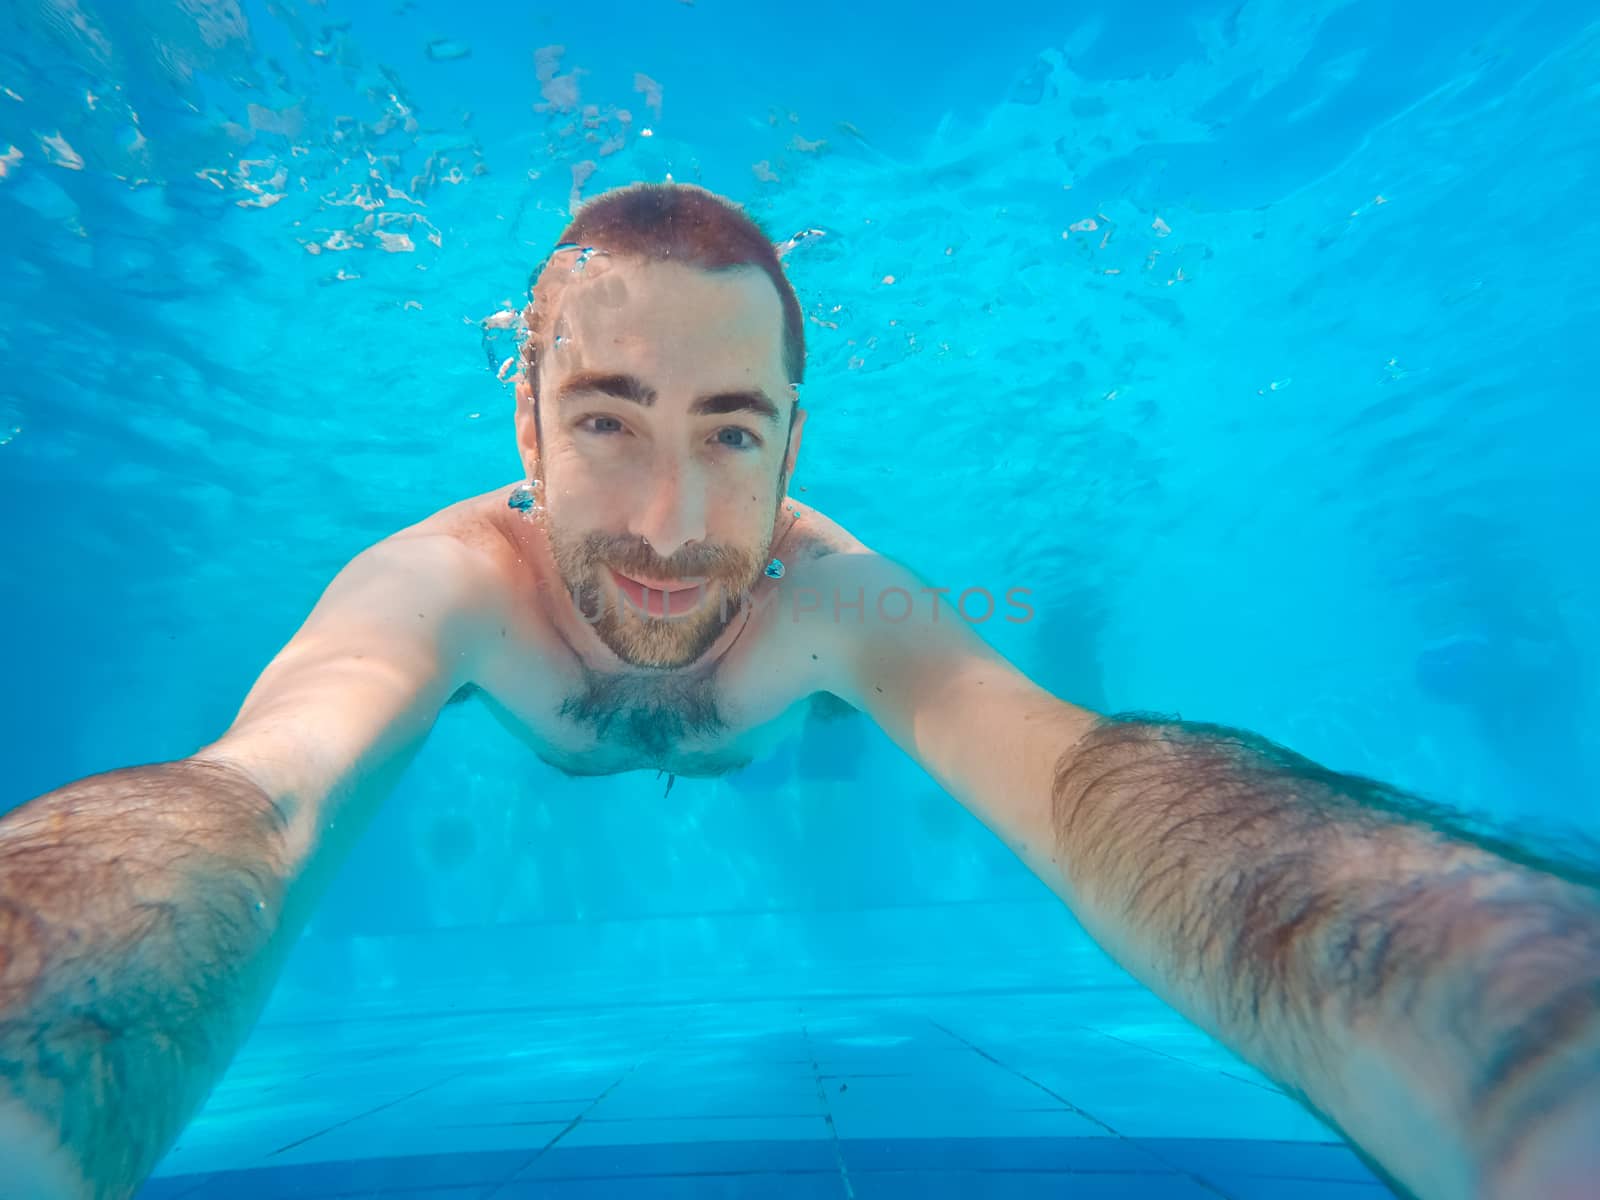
{"x":673,"y":511}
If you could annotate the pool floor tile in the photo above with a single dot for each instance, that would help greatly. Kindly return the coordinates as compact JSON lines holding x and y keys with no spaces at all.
{"x":1258,"y":1158}
{"x":814,"y":1185}
{"x":567,"y":1161}
{"x":365,"y":1140}
{"x":1263,"y":1188}
{"x":1039,"y":1154}
{"x":353,"y":1177}
{"x":929,"y":1169}
{"x":1075,"y":1095}
{"x":959,"y":1122}
{"x":696,"y":1130}
{"x":1022,"y":1185}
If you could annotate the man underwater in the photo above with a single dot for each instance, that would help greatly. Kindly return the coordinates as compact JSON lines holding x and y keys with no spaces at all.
{"x":652,"y":598}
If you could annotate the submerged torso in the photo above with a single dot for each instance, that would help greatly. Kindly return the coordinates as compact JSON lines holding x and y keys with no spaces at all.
{"x":705,"y":719}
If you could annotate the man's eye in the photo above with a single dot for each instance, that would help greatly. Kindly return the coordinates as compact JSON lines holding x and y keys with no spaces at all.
{"x":603,"y":425}
{"x":737,"y":439}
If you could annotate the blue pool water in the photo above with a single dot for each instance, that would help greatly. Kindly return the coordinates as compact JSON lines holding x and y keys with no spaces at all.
{"x":1255,"y":339}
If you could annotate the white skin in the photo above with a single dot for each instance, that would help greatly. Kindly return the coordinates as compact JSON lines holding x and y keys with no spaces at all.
{"x":666,"y":438}
{"x":662,"y":442}
{"x":1146,"y":841}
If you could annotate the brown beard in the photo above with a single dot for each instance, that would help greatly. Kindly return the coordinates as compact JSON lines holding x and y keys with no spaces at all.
{"x":637,"y":638}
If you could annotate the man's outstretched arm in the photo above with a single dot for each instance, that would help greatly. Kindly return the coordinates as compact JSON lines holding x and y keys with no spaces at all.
{"x":1431,"y":991}
{"x":145,"y":912}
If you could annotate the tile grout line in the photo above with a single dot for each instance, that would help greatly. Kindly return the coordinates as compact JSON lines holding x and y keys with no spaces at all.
{"x":619,"y":1005}
{"x":1179,"y":1059}
{"x":494,"y":1189}
{"x":827,"y":1113}
{"x":1053,"y":1094}
{"x":363,"y":1115}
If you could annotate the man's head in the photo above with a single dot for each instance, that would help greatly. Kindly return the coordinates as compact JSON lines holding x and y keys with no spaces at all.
{"x":658,"y":406}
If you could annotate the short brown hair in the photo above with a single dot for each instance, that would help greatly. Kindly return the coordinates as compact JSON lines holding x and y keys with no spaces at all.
{"x":661,"y":222}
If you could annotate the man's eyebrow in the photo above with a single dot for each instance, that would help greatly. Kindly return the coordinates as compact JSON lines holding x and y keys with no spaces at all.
{"x":635,"y":390}
{"x":622,"y":387}
{"x":753,"y":400}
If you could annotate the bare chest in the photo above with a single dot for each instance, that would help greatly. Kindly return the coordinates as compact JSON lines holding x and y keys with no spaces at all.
{"x":694,"y":723}
{"x":706,"y":720}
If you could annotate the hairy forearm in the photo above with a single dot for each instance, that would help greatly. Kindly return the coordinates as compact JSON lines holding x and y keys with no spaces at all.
{"x":141,"y":923}
{"x":1432,"y":990}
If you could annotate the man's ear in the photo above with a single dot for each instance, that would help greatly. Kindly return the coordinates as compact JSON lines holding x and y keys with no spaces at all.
{"x":797,"y":424}
{"x":527,"y":422}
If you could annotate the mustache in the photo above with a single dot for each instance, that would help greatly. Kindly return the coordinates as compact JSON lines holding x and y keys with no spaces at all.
{"x":632,"y":556}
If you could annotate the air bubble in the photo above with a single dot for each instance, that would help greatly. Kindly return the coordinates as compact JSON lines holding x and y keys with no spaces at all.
{"x":786,"y":246}
{"x":585,"y":253}
{"x":524,"y":497}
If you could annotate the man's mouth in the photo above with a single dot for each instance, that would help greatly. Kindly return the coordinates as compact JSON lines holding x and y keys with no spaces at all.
{"x":660,"y":597}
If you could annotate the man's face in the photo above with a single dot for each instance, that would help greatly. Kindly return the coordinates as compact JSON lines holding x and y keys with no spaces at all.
{"x":664,"y":416}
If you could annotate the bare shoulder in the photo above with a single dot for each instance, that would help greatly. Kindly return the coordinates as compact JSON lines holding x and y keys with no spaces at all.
{"x":831,"y":577}
{"x":806,"y":534}
{"x":827,"y":557}
{"x":477,"y":525}
{"x":822,"y":563}
{"x":468,"y":541}
{"x":822,"y":553}
{"x":838,"y":596}
{"x":450,"y":573}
